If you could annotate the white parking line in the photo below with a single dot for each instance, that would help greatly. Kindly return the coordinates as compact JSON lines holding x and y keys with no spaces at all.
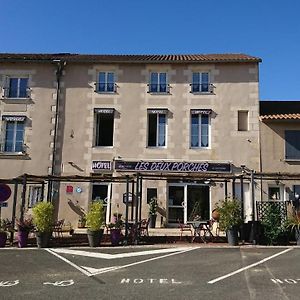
{"x":248,"y":267}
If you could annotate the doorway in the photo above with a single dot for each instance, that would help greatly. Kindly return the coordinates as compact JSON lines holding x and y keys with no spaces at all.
{"x":186,"y":201}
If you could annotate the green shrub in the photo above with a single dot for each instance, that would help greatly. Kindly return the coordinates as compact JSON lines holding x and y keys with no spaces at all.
{"x":230,"y":213}
{"x":43,"y":216}
{"x":95,"y":216}
{"x":273,"y":224}
{"x":153,"y":206}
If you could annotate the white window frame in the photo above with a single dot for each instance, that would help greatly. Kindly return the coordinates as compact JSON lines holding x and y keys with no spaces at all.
{"x":199,"y":132}
{"x":3,"y":136}
{"x":158,"y":83}
{"x":106,"y":83}
{"x":281,"y":192}
{"x":35,"y":195}
{"x":7,"y":92}
{"x":200,"y":82}
{"x":157,"y":130}
{"x":96,"y":131}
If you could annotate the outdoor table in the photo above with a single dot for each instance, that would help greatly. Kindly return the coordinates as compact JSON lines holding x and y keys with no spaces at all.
{"x":201,"y":229}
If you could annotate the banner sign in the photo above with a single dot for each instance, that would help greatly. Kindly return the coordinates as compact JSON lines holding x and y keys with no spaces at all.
{"x":166,"y":166}
{"x":201,"y":111}
{"x":101,"y":165}
{"x":14,"y":118}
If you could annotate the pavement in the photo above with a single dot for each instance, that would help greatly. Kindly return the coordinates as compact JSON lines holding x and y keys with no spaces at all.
{"x":185,"y":271}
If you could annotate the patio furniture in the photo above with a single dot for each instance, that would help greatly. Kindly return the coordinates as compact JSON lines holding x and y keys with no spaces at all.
{"x":203,"y":230}
{"x":184,"y":228}
{"x":143,"y":227}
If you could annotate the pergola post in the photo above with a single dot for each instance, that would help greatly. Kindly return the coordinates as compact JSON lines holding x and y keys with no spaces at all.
{"x":24,"y":183}
{"x":126,"y":211}
{"x":13,"y":216}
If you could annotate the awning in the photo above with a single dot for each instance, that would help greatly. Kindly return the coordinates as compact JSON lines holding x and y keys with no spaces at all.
{"x":104,"y":110}
{"x":201,"y":111}
{"x":14,"y":118}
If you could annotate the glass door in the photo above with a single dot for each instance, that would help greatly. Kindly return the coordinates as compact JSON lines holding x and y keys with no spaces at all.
{"x":176,"y":203}
{"x":197,"y":202}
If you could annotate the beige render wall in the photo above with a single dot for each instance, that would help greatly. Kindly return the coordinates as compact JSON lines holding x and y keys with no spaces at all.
{"x":236,"y":88}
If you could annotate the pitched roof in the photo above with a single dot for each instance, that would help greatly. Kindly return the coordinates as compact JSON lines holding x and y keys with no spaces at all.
{"x":280,"y":110}
{"x":176,"y":58}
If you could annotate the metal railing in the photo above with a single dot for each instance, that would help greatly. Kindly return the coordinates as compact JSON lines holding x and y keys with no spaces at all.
{"x":17,"y":93}
{"x":202,"y":88}
{"x":101,"y":87}
{"x":159,"y":88}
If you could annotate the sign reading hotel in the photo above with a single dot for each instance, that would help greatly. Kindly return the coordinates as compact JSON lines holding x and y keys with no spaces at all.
{"x":101,"y":165}
{"x":164,"y":166}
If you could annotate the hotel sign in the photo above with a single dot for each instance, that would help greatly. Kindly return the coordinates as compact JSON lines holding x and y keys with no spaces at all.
{"x":101,"y":165}
{"x":172,"y":167}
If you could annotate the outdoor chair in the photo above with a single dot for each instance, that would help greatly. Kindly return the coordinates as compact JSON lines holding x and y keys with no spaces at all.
{"x":143,"y":228}
{"x":58,"y":228}
{"x":184,"y":228}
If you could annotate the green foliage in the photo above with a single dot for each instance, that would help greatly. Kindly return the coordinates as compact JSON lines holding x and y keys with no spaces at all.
{"x":5,"y":225}
{"x":273,"y":224}
{"x":117,"y":225}
{"x":95,"y":216}
{"x":230,"y":213}
{"x":43,"y":216}
{"x":293,"y":221}
{"x":153,"y":206}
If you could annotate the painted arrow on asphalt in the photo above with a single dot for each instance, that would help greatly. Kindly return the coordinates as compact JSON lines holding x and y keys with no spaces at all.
{"x":120,"y":255}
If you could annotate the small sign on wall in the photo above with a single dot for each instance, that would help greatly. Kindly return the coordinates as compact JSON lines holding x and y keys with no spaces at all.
{"x":69,"y":189}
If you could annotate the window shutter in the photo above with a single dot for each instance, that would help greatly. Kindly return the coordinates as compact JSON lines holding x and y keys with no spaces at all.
{"x":2,"y":135}
{"x":6,"y":86}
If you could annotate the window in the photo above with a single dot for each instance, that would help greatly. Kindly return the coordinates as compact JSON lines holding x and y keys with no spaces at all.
{"x":106,"y":83}
{"x":104,"y":127}
{"x":35,"y":195}
{"x":158,"y":83}
{"x":200,"y":82}
{"x":200,"y":130}
{"x":243,"y":120}
{"x":16,"y":88}
{"x":157,"y":128}
{"x":13,"y":134}
{"x":151,"y":193}
{"x":274,"y":193}
{"x":292,"y":144}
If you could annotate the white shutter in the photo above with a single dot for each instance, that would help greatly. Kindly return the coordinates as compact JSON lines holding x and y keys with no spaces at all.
{"x":6,"y":86}
{"x":2,"y":134}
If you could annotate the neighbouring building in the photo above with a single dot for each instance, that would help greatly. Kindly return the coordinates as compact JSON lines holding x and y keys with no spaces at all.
{"x":280,"y":148}
{"x":68,"y":114}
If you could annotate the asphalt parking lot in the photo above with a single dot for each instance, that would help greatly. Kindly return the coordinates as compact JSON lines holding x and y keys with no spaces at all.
{"x":183,"y":272}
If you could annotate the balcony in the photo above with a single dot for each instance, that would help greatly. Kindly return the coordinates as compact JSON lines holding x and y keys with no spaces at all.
{"x":105,"y":88}
{"x":161,"y":88}
{"x":202,"y":88}
{"x":12,"y":93}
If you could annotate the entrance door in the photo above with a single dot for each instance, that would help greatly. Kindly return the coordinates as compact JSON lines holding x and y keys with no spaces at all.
{"x":186,"y":201}
{"x":102,"y":191}
{"x":197,"y":202}
{"x":247,"y":199}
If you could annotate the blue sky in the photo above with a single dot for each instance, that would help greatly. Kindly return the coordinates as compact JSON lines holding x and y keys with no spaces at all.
{"x":269,"y":29}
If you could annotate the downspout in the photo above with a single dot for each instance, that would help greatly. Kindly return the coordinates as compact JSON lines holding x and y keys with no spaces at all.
{"x":59,"y":72}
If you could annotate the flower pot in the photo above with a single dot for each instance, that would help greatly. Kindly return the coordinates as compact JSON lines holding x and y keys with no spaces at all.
{"x":297,"y":236}
{"x":152,"y":221}
{"x":42,"y":239}
{"x":115,"y":236}
{"x":22,"y":237}
{"x":94,"y":237}
{"x":232,"y":236}
{"x":3,"y":238}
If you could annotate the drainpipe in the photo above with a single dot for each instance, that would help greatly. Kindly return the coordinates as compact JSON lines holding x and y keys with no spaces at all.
{"x":59,"y":72}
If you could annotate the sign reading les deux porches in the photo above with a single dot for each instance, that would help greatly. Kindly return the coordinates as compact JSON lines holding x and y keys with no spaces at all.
{"x":171,"y":166}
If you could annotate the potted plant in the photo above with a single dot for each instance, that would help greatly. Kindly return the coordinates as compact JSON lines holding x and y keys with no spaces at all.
{"x":152,"y":211}
{"x":115,"y":231}
{"x":273,"y":225}
{"x":81,"y":221}
{"x":24,"y":227}
{"x":43,"y":221}
{"x":94,"y":222}
{"x":230,"y":218}
{"x":4,"y":228}
{"x":293,"y":224}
